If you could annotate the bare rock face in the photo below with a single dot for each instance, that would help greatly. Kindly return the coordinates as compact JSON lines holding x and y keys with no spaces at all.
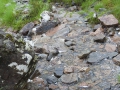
{"x":14,"y":62}
{"x":108,"y":20}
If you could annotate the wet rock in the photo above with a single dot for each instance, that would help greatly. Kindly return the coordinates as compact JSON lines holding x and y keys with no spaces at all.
{"x":96,"y":57}
{"x":45,"y":27}
{"x":24,"y":31}
{"x":108,"y":20}
{"x":116,"y":60}
{"x":84,"y":54}
{"x":58,"y":72}
{"x":69,"y":78}
{"x":110,"y":47}
{"x":53,"y":87}
{"x":51,"y":79}
{"x":68,"y":70}
{"x":100,"y":38}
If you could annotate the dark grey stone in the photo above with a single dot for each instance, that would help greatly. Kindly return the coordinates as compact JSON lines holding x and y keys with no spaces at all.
{"x":58,"y":71}
{"x":24,"y":31}
{"x":51,"y":79}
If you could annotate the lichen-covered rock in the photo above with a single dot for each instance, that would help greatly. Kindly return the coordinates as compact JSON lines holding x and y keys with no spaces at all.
{"x":14,"y":62}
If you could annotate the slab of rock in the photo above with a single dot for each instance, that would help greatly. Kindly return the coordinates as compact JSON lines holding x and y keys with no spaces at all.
{"x":68,"y":70}
{"x":96,"y":57}
{"x":51,"y":79}
{"x":45,"y":27}
{"x":100,"y":38}
{"x":84,"y":53}
{"x":116,"y":60}
{"x":110,"y":47}
{"x":69,"y":78}
{"x":24,"y":31}
{"x":108,"y":20}
{"x":58,"y":72}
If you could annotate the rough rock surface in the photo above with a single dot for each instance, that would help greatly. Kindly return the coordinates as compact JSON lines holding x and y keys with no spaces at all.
{"x":108,"y":20}
{"x":86,"y":64}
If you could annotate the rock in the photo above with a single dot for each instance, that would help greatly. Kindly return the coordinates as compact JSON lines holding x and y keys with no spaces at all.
{"x":84,"y":53}
{"x":108,"y":20}
{"x":68,"y":43}
{"x":53,"y":87}
{"x":45,"y":27}
{"x":96,"y":27}
{"x":9,"y":45}
{"x":111,"y":31}
{"x":1,"y":43}
{"x":45,"y":16}
{"x":84,"y":85}
{"x":110,"y":47}
{"x":51,"y":79}
{"x":37,"y":84}
{"x":97,"y":32}
{"x":100,"y":38}
{"x":73,"y":8}
{"x":116,"y":87}
{"x":62,"y":32}
{"x":116,"y":60}
{"x":105,"y":85}
{"x":96,"y":57}
{"x":58,"y":72}
{"x":69,"y":78}
{"x":24,"y":31}
{"x":42,"y":56}
{"x":68,"y":70}
{"x":118,"y":47}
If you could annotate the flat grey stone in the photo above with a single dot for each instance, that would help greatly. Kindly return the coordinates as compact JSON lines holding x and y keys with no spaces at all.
{"x":69,"y":78}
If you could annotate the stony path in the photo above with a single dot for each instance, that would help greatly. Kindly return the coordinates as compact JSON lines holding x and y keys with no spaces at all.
{"x":73,"y":57}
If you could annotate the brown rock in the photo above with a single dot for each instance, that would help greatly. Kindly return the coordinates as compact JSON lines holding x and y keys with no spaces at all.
{"x":108,"y":20}
{"x":97,"y":32}
{"x":110,"y":47}
{"x":68,"y":70}
{"x":53,"y":87}
{"x":115,"y":39}
{"x":116,"y":60}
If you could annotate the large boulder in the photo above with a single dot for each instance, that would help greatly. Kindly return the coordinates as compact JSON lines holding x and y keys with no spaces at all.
{"x":15,"y":63}
{"x":108,"y":20}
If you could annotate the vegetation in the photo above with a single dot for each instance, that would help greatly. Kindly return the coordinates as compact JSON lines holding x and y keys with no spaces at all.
{"x":10,"y":16}
{"x":118,"y":78}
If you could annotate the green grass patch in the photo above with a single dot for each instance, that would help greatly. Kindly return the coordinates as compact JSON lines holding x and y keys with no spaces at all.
{"x":11,"y":17}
